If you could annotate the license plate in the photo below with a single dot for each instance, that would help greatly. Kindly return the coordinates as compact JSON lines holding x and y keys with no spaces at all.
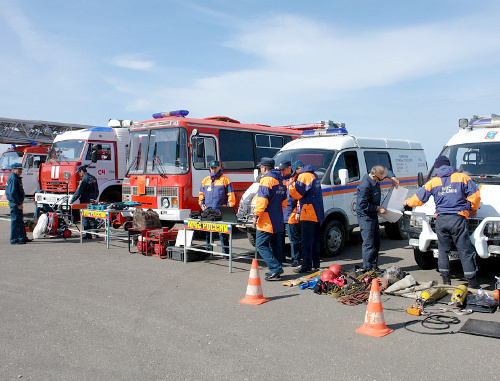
{"x":50,"y":199}
{"x":454,"y":255}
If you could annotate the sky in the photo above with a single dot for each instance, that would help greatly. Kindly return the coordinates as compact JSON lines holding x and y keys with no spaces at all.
{"x":393,"y":69}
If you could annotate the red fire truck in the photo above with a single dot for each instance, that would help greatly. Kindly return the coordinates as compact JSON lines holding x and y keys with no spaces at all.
{"x":30,"y":157}
{"x":169,"y":156}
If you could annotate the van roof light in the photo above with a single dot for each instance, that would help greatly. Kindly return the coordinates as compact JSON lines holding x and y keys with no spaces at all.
{"x":481,"y":121}
{"x":159,"y":115}
{"x":326,"y":131}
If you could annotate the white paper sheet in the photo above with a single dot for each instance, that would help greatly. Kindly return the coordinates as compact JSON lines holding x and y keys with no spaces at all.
{"x":393,"y":203}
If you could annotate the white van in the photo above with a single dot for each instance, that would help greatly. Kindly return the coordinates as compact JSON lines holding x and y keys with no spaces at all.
{"x":341,"y":160}
{"x":475,"y":151}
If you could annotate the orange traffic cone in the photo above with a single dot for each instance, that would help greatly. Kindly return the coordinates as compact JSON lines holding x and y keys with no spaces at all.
{"x":374,"y":318}
{"x":254,"y":289}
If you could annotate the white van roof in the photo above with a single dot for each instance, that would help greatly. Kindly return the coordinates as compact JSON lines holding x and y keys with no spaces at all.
{"x":341,"y":141}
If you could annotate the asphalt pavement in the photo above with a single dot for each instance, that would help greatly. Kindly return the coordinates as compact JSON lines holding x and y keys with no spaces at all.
{"x":72,"y":311}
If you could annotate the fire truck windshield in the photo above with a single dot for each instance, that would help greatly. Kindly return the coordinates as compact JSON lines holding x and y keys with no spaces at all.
{"x":67,"y":150}
{"x":160,"y":151}
{"x":10,"y":157}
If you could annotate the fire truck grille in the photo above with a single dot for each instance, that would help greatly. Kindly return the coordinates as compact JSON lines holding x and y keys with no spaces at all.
{"x":150,"y":191}
{"x":168,"y":191}
{"x":56,"y":187}
{"x":126,"y":190}
{"x":132,"y":190}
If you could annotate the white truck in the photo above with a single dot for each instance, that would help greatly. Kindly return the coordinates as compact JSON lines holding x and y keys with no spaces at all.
{"x":475,"y":151}
{"x":102,"y":149}
{"x":341,"y":160}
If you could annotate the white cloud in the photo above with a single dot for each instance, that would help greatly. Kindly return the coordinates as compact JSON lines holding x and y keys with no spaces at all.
{"x":131,"y":62}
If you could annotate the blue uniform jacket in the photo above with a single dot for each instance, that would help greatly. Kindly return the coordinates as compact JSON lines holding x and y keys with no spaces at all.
{"x":14,"y":190}
{"x":368,"y":197}
{"x":87,"y":190}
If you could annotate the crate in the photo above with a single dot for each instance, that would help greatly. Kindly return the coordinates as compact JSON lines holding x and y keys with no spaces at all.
{"x":177,"y":254}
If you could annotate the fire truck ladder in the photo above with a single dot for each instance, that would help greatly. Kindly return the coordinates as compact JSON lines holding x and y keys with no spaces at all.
{"x":18,"y":131}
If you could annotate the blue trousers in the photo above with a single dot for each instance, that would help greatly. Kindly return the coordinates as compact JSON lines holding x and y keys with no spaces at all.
{"x":310,"y":244}
{"x":294,"y":237}
{"x":453,"y":229}
{"x":17,"y":230}
{"x":370,"y":234}
{"x":270,"y":248}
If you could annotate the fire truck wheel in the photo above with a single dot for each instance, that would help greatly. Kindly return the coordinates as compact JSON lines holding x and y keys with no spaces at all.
{"x":167,"y":224}
{"x":333,"y":238}
{"x":425,"y":260}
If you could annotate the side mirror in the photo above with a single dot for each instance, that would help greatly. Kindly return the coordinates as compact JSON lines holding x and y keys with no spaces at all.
{"x":67,"y":175}
{"x":343,"y":176}
{"x":420,"y":179}
{"x":255,"y":174}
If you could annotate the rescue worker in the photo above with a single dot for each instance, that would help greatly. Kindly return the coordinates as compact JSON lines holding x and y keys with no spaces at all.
{"x":368,"y":197}
{"x":14,"y":192}
{"x":87,"y":192}
{"x":268,"y":218}
{"x":290,"y":216}
{"x":306,"y":188}
{"x":216,"y":190}
{"x":456,"y":197}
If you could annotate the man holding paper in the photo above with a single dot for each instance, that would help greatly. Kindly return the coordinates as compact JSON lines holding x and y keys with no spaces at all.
{"x":368,"y":198}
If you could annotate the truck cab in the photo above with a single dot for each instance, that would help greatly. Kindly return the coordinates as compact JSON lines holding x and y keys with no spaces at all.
{"x":30,"y":157}
{"x":475,"y":151}
{"x":102,"y":149}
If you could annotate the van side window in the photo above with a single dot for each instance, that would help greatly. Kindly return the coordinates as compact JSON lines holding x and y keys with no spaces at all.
{"x":236,"y":150}
{"x":346,"y":160}
{"x":204,"y":151}
{"x":268,"y":145}
{"x":377,"y":158}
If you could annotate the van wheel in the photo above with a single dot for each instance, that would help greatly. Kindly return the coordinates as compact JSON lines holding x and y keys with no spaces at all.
{"x":425,"y":260}
{"x":396,"y":230}
{"x":167,"y":224}
{"x":333,"y":239}
{"x":252,"y":236}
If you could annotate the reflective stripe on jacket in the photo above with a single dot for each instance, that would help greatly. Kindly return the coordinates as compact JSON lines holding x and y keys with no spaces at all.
{"x":216,"y":193}
{"x":307,"y":189}
{"x":269,"y":204}
{"x":453,"y":192}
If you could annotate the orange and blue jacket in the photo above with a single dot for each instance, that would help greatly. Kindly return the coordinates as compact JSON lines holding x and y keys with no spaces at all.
{"x":269,"y":203}
{"x":453,"y":192}
{"x":290,"y":210}
{"x":216,"y":190}
{"x":307,"y":189}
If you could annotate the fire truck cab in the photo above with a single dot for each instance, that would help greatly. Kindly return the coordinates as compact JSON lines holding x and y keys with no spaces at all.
{"x":30,"y":157}
{"x":102,"y":149}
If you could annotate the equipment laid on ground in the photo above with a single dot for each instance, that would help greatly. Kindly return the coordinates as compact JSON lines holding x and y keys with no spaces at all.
{"x":432,"y":295}
{"x":152,"y":242}
{"x":415,"y":309}
{"x":56,"y":221}
{"x":458,"y":296}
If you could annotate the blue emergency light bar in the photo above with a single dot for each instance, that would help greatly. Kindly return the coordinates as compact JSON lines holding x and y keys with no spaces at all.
{"x":480,"y":121}
{"x":171,"y":113}
{"x":328,"y":131}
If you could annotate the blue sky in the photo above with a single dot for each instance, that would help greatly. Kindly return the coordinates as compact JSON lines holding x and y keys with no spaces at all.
{"x":394,"y":69}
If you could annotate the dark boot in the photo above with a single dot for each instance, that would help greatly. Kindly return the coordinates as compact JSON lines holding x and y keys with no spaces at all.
{"x":473,"y":283}
{"x":446,"y":279}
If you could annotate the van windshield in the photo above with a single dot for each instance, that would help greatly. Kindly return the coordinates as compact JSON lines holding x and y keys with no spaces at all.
{"x":474,"y":159}
{"x":9,"y":158}
{"x":319,"y":159}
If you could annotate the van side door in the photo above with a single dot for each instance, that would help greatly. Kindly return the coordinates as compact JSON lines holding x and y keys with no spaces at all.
{"x":344,"y":196}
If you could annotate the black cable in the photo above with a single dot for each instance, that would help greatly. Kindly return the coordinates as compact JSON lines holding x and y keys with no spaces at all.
{"x":434,"y":322}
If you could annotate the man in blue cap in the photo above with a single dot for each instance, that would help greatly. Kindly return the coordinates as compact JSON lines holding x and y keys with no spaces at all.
{"x":216,"y":190}
{"x":14,"y":192}
{"x":456,"y":197}
{"x":268,"y":218}
{"x":87,"y":192}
